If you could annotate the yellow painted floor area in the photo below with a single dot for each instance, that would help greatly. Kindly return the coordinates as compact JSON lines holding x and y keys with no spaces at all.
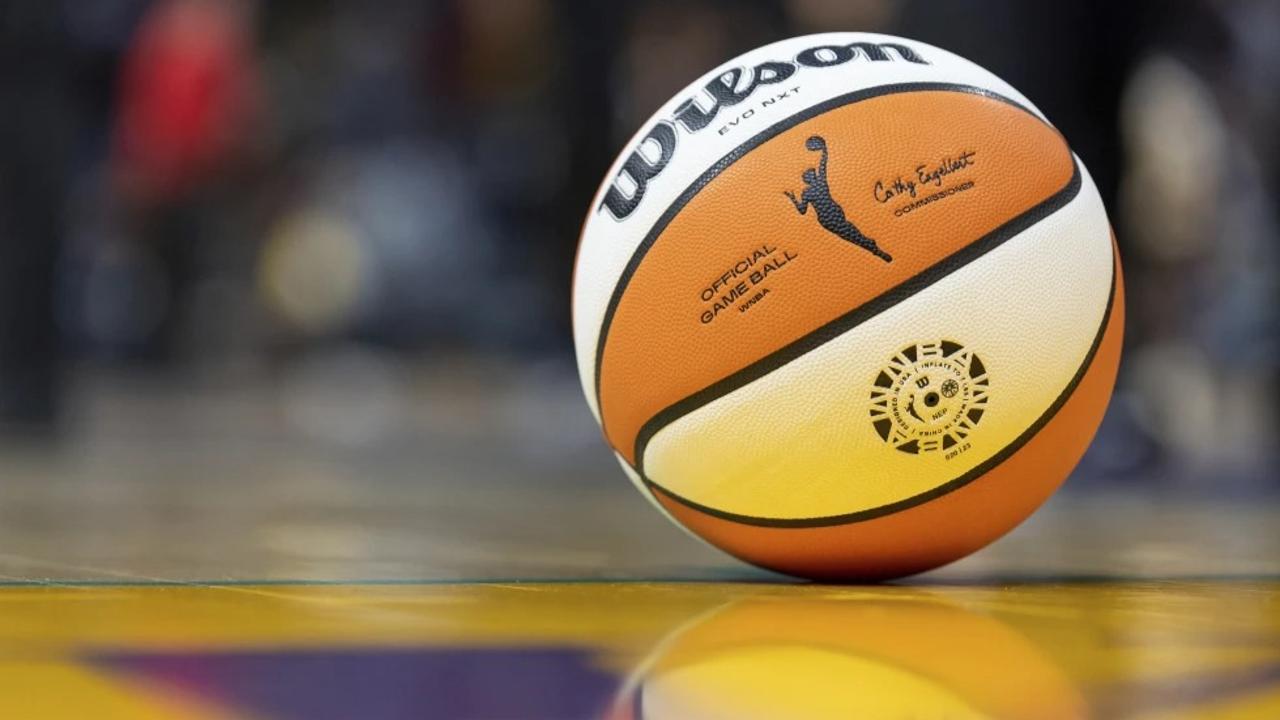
{"x":1206,"y":649}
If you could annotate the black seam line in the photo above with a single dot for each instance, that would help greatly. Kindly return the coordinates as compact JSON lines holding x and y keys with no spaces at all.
{"x":858,"y":315}
{"x":736,"y":154}
{"x":937,"y":492}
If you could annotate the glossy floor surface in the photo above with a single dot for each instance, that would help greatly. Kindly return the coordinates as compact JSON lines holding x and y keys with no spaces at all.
{"x":1173,"y":649}
{"x":205,"y":559}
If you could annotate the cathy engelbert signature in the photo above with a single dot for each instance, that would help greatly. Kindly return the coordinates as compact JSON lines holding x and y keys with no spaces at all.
{"x":925,"y":175}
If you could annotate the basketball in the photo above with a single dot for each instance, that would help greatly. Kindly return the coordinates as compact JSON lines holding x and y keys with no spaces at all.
{"x":848,"y":307}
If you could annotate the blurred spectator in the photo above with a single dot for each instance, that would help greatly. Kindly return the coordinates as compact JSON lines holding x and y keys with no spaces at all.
{"x":38,"y":133}
{"x":187,"y":87}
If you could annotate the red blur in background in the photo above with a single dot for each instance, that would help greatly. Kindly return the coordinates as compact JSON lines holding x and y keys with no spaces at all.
{"x":187,"y":95}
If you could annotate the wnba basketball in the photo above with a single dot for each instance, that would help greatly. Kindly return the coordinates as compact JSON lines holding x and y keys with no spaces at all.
{"x":848,"y":307}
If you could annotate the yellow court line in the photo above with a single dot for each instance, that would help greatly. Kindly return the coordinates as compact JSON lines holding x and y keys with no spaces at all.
{"x":64,"y":690}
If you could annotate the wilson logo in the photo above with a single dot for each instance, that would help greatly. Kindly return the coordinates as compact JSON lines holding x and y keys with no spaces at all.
{"x":654,"y":151}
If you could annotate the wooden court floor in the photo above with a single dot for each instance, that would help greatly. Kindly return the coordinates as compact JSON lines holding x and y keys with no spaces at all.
{"x":199,"y":557}
{"x":1085,"y":649}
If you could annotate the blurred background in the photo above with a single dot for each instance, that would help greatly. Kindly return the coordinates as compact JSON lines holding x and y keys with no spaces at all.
{"x":334,"y":239}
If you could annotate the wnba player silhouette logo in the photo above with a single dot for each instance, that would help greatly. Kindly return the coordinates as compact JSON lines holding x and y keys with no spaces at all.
{"x":817,"y":192}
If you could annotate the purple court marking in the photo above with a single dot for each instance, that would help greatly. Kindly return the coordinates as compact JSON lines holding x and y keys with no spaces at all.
{"x":382,"y":684}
